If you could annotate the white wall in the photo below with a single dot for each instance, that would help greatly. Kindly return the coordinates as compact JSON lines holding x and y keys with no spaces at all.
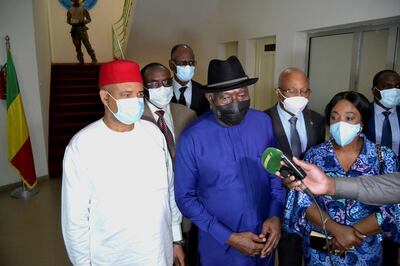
{"x":205,"y":24}
{"x":16,"y":20}
{"x":103,"y":14}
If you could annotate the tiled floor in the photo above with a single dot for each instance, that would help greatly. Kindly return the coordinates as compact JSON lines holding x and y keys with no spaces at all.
{"x":30,"y":230}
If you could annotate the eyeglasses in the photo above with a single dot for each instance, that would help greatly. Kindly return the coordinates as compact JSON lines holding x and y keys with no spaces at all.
{"x":294,"y":92}
{"x":185,"y":63}
{"x":157,"y":84}
{"x":223,"y":98}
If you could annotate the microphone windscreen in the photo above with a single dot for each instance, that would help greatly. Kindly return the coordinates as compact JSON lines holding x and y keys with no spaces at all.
{"x":271,"y":160}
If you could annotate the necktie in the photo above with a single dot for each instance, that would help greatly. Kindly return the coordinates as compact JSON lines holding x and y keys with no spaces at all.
{"x":386,"y":139}
{"x":167,"y":133}
{"x":182,"y":99}
{"x":294,"y":137}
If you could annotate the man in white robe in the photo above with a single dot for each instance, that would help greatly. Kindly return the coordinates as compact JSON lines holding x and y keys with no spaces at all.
{"x":118,"y":205}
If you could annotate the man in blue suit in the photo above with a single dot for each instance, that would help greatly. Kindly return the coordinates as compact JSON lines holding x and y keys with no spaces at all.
{"x":384,"y":129}
{"x":220,"y":183}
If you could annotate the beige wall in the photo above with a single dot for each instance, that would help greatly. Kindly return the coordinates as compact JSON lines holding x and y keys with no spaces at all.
{"x":103,"y":14}
{"x":208,"y":23}
{"x":41,"y":10}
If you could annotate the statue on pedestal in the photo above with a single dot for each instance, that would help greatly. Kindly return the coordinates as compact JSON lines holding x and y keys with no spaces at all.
{"x":78,"y":17}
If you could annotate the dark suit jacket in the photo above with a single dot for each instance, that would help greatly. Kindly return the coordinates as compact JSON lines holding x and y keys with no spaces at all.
{"x":315,"y":127}
{"x":199,"y":101}
{"x":370,"y":133}
{"x":181,"y":117}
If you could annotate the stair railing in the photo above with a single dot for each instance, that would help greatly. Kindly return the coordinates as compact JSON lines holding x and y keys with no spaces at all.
{"x":120,"y":30}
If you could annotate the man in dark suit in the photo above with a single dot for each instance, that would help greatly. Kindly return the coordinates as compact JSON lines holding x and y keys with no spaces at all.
{"x":186,"y":91}
{"x":384,"y":129}
{"x":171,"y":118}
{"x":296,"y":129}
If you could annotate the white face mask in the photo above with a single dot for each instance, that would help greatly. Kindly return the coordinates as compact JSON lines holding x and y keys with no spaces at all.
{"x":184,"y":73}
{"x":344,"y":133}
{"x":130,"y":110}
{"x":160,"y":97}
{"x":390,"y":97}
{"x":294,"y":105}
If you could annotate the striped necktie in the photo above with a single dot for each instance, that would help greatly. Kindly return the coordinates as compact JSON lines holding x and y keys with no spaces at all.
{"x":167,"y":132}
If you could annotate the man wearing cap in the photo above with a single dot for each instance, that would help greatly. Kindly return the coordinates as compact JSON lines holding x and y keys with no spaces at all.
{"x":220,"y":183}
{"x":118,"y":205}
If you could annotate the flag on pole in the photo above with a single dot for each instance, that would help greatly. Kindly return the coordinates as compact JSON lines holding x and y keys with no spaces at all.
{"x":19,"y":145}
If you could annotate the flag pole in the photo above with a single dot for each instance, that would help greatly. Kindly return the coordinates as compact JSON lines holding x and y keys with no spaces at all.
{"x":21,"y":192}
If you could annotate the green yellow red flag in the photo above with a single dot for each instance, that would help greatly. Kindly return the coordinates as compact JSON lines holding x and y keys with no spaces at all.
{"x":19,"y":145}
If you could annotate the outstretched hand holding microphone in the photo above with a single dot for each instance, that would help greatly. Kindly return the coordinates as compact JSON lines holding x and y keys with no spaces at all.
{"x":373,"y":190}
{"x":315,"y":180}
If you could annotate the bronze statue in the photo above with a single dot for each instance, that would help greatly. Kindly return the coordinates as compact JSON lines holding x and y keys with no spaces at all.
{"x":78,"y":17}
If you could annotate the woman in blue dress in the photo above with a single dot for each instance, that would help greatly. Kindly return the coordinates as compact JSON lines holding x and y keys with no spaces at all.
{"x":348,"y":153}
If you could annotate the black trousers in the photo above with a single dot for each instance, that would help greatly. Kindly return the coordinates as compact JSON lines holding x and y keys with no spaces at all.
{"x":390,"y":253}
{"x":191,"y":252}
{"x":290,"y":251}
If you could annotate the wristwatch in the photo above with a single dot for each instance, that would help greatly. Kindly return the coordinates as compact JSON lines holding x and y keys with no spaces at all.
{"x":180,"y":242}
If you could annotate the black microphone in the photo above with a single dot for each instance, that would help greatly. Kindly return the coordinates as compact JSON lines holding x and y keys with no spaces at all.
{"x":271,"y":160}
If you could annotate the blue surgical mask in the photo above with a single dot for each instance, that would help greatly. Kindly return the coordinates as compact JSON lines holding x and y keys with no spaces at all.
{"x":344,"y":133}
{"x":184,"y":73}
{"x":390,"y":97}
{"x":130,"y":110}
{"x":161,"y":97}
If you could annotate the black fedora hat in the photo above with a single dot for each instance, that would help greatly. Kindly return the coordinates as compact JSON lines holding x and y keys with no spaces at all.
{"x":224,"y":75}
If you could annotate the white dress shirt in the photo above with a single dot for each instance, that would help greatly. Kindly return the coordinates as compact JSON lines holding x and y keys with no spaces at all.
{"x":167,"y":117}
{"x":394,"y":124}
{"x":187,"y":94}
{"x":118,"y":205}
{"x":300,"y":126}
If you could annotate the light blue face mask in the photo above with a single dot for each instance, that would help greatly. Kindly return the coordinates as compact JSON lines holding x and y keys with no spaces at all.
{"x":130,"y":110}
{"x":161,"y":97}
{"x":390,"y":97}
{"x":184,"y":73}
{"x":344,"y":133}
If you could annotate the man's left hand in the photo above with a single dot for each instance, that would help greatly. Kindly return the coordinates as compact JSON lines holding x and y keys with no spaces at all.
{"x":272,"y":230}
{"x":179,"y":255}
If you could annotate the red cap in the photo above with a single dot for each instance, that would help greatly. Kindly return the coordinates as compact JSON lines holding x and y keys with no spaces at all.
{"x":119,"y":71}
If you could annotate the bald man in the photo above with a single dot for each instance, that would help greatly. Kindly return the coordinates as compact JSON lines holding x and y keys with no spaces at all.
{"x":186,"y":91}
{"x":118,"y":205}
{"x":296,"y":129}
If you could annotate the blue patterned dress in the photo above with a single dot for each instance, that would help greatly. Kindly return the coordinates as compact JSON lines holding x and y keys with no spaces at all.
{"x":343,"y":211}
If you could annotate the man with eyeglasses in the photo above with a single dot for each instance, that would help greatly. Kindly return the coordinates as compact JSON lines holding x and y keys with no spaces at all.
{"x":297,"y":128}
{"x":220,"y":183}
{"x":172,"y":119}
{"x":384,"y":128}
{"x":186,"y":91}
{"x":118,"y":205}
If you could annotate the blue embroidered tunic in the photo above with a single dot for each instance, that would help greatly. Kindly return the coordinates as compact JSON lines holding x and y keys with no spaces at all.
{"x":222,"y":187}
{"x":343,"y":211}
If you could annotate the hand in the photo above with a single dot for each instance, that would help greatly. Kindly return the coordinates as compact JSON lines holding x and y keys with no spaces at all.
{"x":272,"y":228}
{"x":290,"y":182}
{"x":179,"y":255}
{"x":316,"y":180}
{"x":336,"y":248}
{"x":347,"y":237}
{"x":247,"y":243}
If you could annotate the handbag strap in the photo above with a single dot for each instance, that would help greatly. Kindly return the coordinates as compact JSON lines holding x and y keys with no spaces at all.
{"x":380,"y":158}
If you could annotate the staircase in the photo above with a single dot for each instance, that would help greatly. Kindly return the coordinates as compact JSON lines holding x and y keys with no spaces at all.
{"x":74,"y":103}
